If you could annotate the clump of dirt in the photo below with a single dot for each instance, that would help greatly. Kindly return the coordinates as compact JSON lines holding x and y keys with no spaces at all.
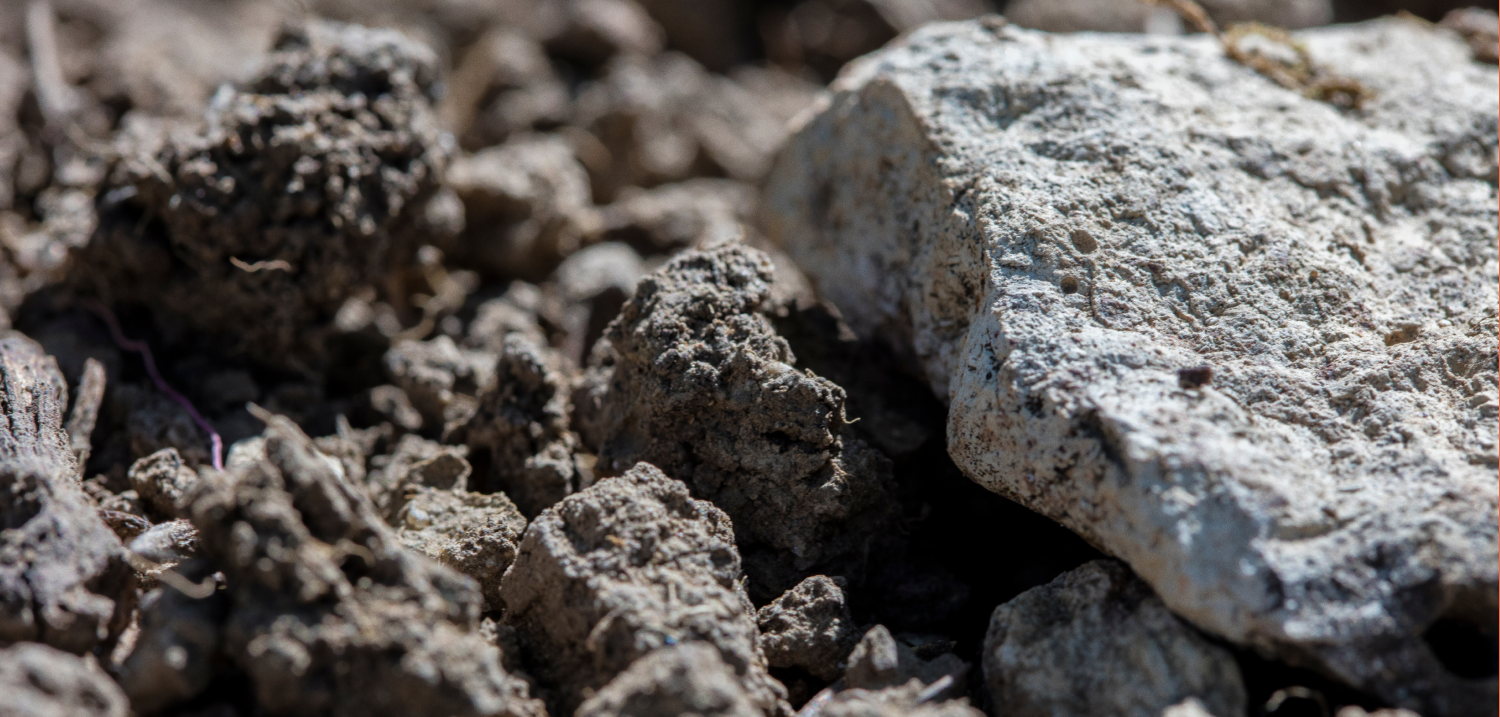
{"x":301,"y":187}
{"x":693,"y":378}
{"x":523,"y":414}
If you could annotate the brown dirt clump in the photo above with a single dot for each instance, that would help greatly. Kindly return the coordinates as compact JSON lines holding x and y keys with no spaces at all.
{"x":693,"y":378}
{"x":301,"y":187}
{"x":628,"y":566}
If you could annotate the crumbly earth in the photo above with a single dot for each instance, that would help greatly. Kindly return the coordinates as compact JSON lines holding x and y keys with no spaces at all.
{"x":686,"y":679}
{"x":329,"y":613}
{"x":522,"y":422}
{"x":630,"y":565}
{"x":1097,"y":641}
{"x":63,"y":576}
{"x":1237,"y":337}
{"x":300,"y":188}
{"x":692,"y":378}
{"x":809,"y":627}
{"x":490,"y":254}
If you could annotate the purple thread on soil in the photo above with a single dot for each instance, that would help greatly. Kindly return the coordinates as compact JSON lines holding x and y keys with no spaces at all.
{"x":144,"y":349}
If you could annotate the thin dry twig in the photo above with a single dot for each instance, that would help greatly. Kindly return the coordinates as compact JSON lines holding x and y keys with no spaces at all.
{"x":144,"y":349}
{"x":251,"y":268}
{"x":85,"y":412}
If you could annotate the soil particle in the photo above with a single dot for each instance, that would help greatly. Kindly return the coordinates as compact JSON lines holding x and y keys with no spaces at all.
{"x":628,"y":566}
{"x":63,"y":576}
{"x":881,"y":660}
{"x":161,"y":480}
{"x":526,"y":204}
{"x":693,"y":378}
{"x":473,"y":533}
{"x":413,"y":463}
{"x":329,"y":613}
{"x":522,"y":425}
{"x":298,"y":190}
{"x":686,"y":679}
{"x":39,"y":681}
{"x":439,"y":378}
{"x":909,"y":700}
{"x":809,"y":627}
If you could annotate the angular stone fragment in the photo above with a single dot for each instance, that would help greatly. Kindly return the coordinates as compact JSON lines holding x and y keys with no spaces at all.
{"x":1097,"y":641}
{"x":328,"y":612}
{"x":473,"y":533}
{"x":628,"y":566}
{"x":305,"y":183}
{"x":39,"y":681}
{"x":809,"y":627}
{"x":686,"y":679}
{"x":1050,"y":228}
{"x":63,"y":576}
{"x":522,"y":422}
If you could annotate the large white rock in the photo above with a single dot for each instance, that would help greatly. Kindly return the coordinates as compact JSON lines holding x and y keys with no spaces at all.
{"x":1051,"y":227}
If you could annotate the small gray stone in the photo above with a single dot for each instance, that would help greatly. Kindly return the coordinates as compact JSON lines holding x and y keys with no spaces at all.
{"x":809,"y":627}
{"x":1097,"y":641}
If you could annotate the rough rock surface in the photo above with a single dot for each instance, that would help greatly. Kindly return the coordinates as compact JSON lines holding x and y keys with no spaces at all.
{"x":692,"y":378}
{"x":63,"y":576}
{"x":809,"y":627}
{"x":1236,"y":337}
{"x":522,"y":421}
{"x":1097,"y":641}
{"x":293,"y":196}
{"x":39,"y":681}
{"x":627,"y":566}
{"x":686,"y":679}
{"x":329,"y":613}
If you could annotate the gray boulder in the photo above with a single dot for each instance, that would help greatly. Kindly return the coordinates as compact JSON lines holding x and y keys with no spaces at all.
{"x":1239,"y":338}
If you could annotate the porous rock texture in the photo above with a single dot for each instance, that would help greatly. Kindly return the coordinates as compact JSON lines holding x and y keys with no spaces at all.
{"x":692,"y":378}
{"x":328,"y":612}
{"x":1097,"y":641}
{"x":630,"y":565}
{"x":298,"y":190}
{"x":40,"y":681}
{"x":63,"y":576}
{"x":1060,"y":232}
